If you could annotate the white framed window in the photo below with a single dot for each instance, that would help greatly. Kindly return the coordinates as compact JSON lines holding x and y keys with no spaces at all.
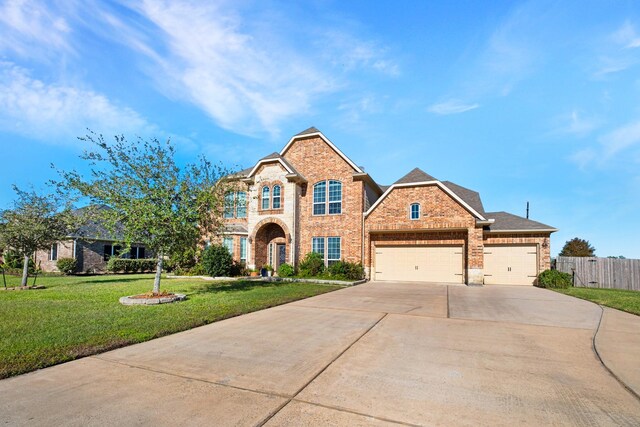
{"x":241,"y":204}
{"x":229,"y":199}
{"x":317,"y":245}
{"x":333,"y":250}
{"x":227,"y":242}
{"x":136,"y":252}
{"x":320,"y":198}
{"x":111,"y":250}
{"x":275,"y":202}
{"x":243,"y":249}
{"x":329,"y":247}
{"x":265,"y":197}
{"x":414,"y":211}
{"x":53,"y":252}
{"x":335,"y":197}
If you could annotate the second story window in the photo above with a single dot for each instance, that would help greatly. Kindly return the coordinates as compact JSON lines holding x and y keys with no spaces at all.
{"x":275,"y":203}
{"x":241,"y":204}
{"x":235,"y":204}
{"x":265,"y":197}
{"x":415,"y":211}
{"x":320,"y":199}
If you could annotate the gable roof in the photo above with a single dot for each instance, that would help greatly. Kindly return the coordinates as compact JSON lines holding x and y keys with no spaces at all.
{"x":472,"y":198}
{"x":92,"y":228}
{"x":507,"y":222}
{"x":312,"y":131}
{"x":416,"y":175}
{"x":273,"y":157}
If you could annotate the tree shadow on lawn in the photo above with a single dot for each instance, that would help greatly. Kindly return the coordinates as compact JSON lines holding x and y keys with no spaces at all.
{"x":95,"y":281}
{"x":235,"y":286}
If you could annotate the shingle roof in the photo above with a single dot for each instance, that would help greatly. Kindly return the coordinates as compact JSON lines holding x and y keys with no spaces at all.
{"x":416,"y":175}
{"x":307,"y":131}
{"x":92,"y":228}
{"x":505,"y":221}
{"x":274,"y":156}
{"x":470,"y":197}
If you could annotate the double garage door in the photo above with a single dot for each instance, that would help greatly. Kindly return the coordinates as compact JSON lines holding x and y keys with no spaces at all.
{"x":510,"y":265}
{"x":419,"y":263}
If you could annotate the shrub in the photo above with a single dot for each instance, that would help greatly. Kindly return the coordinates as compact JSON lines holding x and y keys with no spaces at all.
{"x":126,"y":265}
{"x":346,"y":270}
{"x":217,"y":261}
{"x":286,"y":270}
{"x":312,"y":265}
{"x":238,"y":268}
{"x":554,"y":279}
{"x":14,"y":261}
{"x":67,"y":265}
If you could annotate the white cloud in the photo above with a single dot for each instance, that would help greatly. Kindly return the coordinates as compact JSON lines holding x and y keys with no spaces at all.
{"x":626,"y":36}
{"x":452,"y":106}
{"x":32,"y":28}
{"x":576,"y":123}
{"x":54,"y":113}
{"x":621,"y":139}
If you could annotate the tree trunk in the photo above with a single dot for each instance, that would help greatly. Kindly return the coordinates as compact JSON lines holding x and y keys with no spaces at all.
{"x":156,"y":282}
{"x":25,"y":270}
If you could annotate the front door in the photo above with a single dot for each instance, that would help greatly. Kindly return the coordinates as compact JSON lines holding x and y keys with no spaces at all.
{"x":281,"y":253}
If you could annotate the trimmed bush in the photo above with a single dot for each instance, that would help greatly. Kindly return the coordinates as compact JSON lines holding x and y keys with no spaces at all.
{"x":554,"y":279}
{"x":346,"y":270}
{"x":126,"y":265}
{"x":311,"y":265}
{"x":286,"y":270}
{"x":217,"y":261}
{"x":67,"y":265}
{"x":238,"y":268}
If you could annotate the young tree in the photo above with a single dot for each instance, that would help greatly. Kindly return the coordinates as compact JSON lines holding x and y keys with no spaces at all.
{"x":153,"y":201}
{"x":35,"y":223}
{"x":577,"y":247}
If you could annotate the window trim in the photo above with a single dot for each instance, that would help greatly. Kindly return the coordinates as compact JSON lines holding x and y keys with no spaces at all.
{"x":237,"y":204}
{"x":243,"y":253}
{"x":328,"y":261}
{"x":411,"y":211}
{"x":229,"y":205}
{"x":230,"y":249}
{"x":53,"y":253}
{"x":329,"y":202}
{"x":325,"y":248}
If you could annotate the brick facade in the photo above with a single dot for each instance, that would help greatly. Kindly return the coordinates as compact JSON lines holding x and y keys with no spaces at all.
{"x":365,"y":220}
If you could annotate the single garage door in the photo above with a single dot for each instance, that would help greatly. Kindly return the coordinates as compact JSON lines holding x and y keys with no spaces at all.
{"x":419,"y":263}
{"x":510,"y":265}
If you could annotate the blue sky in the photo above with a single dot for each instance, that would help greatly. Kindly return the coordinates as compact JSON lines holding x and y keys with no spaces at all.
{"x":521,"y":101}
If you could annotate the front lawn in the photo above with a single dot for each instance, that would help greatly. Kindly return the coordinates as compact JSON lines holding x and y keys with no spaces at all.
{"x":78,"y":316}
{"x":628,"y":301}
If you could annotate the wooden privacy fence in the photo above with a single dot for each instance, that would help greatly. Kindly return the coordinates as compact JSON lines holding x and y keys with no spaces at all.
{"x":592,"y":272}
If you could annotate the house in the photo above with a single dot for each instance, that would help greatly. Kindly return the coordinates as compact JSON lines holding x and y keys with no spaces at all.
{"x":91,"y":245}
{"x":311,"y":197}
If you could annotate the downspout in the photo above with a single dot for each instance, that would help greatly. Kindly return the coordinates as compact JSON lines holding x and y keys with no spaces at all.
{"x":294,"y":240}
{"x":362,"y":245}
{"x":74,"y":248}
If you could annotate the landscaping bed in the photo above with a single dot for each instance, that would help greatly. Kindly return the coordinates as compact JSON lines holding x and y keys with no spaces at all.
{"x":81,"y":315}
{"x":620,"y":299}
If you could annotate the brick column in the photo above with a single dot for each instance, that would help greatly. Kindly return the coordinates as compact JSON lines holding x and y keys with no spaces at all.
{"x":475,"y":256}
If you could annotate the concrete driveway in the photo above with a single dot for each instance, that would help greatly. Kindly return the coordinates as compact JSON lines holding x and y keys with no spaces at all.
{"x":374,"y":354}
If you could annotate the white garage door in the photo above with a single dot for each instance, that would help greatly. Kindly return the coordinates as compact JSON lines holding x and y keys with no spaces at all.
{"x":419,"y":263}
{"x":510,"y":265}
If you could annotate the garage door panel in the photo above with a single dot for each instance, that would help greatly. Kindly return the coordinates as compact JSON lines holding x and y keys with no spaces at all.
{"x":419,"y":263}
{"x":510,"y":265}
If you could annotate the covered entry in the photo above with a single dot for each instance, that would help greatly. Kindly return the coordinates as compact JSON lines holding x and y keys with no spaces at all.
{"x":419,"y":263}
{"x":510,"y":265}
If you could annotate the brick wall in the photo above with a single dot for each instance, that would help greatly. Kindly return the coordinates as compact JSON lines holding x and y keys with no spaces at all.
{"x":317,"y":161}
{"x":65,"y":250}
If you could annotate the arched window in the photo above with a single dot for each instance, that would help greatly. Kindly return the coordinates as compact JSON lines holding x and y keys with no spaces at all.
{"x":320,"y":198}
{"x":265,"y":197}
{"x":276,"y":197}
{"x":335,"y":197}
{"x":415,"y":211}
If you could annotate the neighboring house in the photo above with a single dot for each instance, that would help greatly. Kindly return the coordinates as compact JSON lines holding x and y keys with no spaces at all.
{"x":311,"y":197}
{"x":91,"y":245}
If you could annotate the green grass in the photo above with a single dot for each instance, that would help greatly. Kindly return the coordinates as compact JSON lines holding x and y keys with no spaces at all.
{"x":79,"y":316}
{"x":628,"y":301}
